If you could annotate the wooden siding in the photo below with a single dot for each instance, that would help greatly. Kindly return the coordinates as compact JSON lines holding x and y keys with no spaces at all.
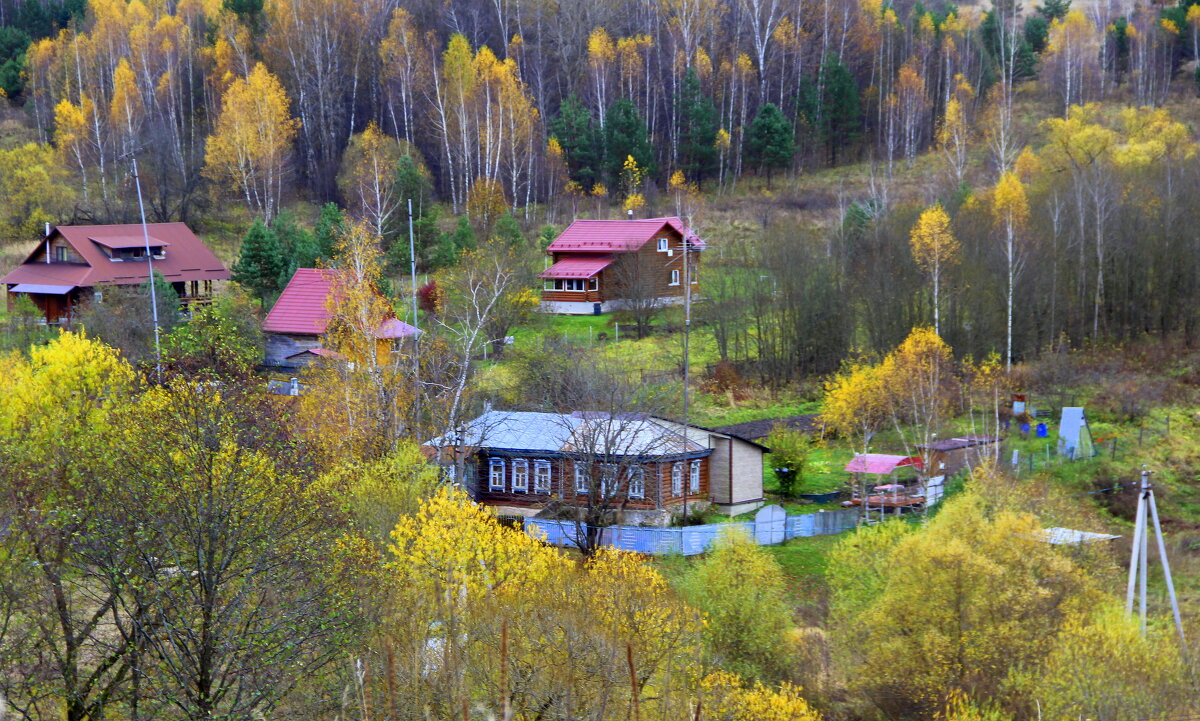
{"x":650,"y":259}
{"x":562,"y":484}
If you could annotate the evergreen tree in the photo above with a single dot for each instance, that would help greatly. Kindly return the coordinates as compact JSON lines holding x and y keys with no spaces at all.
{"x":840,"y":114}
{"x":412,"y":184}
{"x":508,"y":230}
{"x":452,"y":245}
{"x":769,"y":143}
{"x":697,"y":129}
{"x":330,"y":226}
{"x":580,"y":141}
{"x":625,"y":135}
{"x":297,"y":244}
{"x":260,"y":263}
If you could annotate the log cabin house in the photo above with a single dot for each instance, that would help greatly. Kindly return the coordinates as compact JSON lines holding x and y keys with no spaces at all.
{"x":598,"y":264}
{"x":296,"y":323}
{"x":73,"y":262}
{"x":649,"y":468}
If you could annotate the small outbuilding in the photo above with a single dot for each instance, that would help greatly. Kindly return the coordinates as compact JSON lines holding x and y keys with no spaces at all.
{"x":951,"y":455}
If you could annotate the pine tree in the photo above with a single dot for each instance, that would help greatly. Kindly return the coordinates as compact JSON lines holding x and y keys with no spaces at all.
{"x":580,"y":140}
{"x":260,"y":263}
{"x":769,"y":143}
{"x":412,"y":183}
{"x":508,"y":231}
{"x":625,"y":135}
{"x":697,"y":129}
{"x":452,"y":245}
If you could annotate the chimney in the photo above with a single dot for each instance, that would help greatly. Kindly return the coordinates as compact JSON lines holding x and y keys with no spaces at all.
{"x":47,"y":229}
{"x":629,"y":213}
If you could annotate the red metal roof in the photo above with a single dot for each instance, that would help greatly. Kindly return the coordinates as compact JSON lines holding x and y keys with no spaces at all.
{"x":304,"y":308}
{"x":577,"y":267}
{"x":619,"y":236}
{"x":881,"y":463}
{"x":186,"y":258}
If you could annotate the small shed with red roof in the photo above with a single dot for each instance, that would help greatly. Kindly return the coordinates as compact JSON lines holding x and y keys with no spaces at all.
{"x":597,"y":265}
{"x":72,"y":261}
{"x":296,"y":323}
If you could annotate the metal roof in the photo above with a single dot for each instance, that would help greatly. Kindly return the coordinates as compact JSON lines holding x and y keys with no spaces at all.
{"x":187,"y":259}
{"x":881,"y":463}
{"x":44,"y":289}
{"x":577,"y":267}
{"x":621,"y":236}
{"x":1059,"y":536}
{"x":958,"y":442}
{"x":304,"y":307}
{"x":591,"y":432}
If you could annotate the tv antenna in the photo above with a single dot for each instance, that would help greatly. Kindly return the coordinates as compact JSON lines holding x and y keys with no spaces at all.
{"x":1138,"y":560}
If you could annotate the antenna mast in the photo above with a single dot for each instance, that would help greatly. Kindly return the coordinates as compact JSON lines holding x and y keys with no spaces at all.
{"x":1138,"y":560}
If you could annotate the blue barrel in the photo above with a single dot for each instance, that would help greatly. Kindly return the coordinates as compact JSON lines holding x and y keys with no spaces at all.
{"x":1041,"y":431}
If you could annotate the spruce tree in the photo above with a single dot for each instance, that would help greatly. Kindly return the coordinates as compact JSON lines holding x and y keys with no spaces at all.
{"x":452,"y":245}
{"x":769,"y":143}
{"x":580,"y":140}
{"x":840,"y":114}
{"x":697,"y":129}
{"x":260,"y":263}
{"x":330,"y":226}
{"x":297,"y":244}
{"x":508,"y":230}
{"x":625,"y":135}
{"x":412,"y":184}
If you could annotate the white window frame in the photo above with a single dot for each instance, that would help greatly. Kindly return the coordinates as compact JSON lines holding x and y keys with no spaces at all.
{"x":694,"y":477}
{"x":677,"y":478}
{"x":450,"y":474}
{"x":664,"y":245}
{"x":541,"y":476}
{"x":608,"y":478}
{"x":571,"y":285}
{"x":637,"y":482}
{"x":593,"y":283}
{"x":583,"y":479}
{"x":674,"y":276}
{"x":495,"y":479}
{"x":520,"y":475}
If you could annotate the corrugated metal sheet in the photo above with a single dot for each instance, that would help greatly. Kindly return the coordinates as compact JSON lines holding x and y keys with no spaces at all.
{"x":303,"y":306}
{"x":881,"y":463}
{"x":579,"y":432}
{"x":622,"y":236}
{"x":577,"y":267}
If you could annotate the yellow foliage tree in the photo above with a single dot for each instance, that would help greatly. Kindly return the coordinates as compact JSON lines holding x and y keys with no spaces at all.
{"x":36,"y":188}
{"x":728,"y":698}
{"x":368,"y":176}
{"x":934,"y":249}
{"x":252,"y":139}
{"x":1010,"y":211}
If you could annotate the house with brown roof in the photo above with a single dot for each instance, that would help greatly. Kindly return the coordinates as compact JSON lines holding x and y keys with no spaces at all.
{"x":604,"y":265}
{"x":298,"y":320}
{"x":73,"y":261}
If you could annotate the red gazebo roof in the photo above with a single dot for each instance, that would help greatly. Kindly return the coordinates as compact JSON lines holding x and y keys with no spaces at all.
{"x":881,"y":463}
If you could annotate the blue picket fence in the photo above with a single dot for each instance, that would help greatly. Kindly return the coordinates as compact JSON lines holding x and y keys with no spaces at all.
{"x":770,"y":527}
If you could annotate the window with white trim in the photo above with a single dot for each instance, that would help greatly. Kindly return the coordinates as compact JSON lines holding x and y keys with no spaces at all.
{"x":593,"y":283}
{"x":637,"y":482}
{"x":496,"y":474}
{"x":675,"y":277}
{"x":677,"y":479}
{"x":450,"y":473}
{"x":541,"y":476}
{"x":694,"y":479}
{"x":583,"y":479}
{"x":520,"y":476}
{"x":608,"y":478}
{"x":570,"y":284}
{"x":663,"y":245}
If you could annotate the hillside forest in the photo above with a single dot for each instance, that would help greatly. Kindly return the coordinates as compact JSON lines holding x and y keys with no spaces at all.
{"x":912,"y":211}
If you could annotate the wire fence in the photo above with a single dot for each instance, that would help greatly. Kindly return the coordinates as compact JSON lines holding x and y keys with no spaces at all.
{"x":1112,"y":447}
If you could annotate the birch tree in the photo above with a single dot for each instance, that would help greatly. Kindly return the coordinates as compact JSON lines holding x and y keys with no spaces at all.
{"x":934,"y":249}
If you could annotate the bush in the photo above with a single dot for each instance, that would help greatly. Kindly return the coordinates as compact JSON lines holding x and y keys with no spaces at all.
{"x":789,"y":456}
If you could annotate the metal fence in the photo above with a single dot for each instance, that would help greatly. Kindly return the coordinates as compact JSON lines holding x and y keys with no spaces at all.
{"x":767,"y":529}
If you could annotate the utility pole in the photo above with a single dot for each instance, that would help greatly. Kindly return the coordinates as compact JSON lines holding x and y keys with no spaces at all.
{"x":412,"y":265}
{"x":1147,"y":510}
{"x":150,"y":270}
{"x":687,"y":361}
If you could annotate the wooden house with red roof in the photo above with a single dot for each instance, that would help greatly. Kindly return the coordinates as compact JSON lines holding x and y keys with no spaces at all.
{"x":73,"y":260}
{"x":296,"y":323}
{"x":597,"y":264}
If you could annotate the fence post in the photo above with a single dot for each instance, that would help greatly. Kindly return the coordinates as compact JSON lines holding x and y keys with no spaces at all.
{"x":1113,"y":455}
{"x":1030,"y":457}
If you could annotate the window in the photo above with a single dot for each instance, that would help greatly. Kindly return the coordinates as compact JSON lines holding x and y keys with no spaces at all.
{"x":663,"y":246}
{"x":593,"y":284}
{"x":450,"y":473}
{"x":583,"y":479}
{"x":496,"y":474}
{"x":677,"y":479}
{"x":675,"y":277}
{"x":549,"y":284}
{"x":520,"y":475}
{"x":637,"y":482}
{"x":541,"y":476}
{"x":60,"y":254}
{"x":694,"y":479}
{"x":608,"y":478}
{"x":570,"y":284}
